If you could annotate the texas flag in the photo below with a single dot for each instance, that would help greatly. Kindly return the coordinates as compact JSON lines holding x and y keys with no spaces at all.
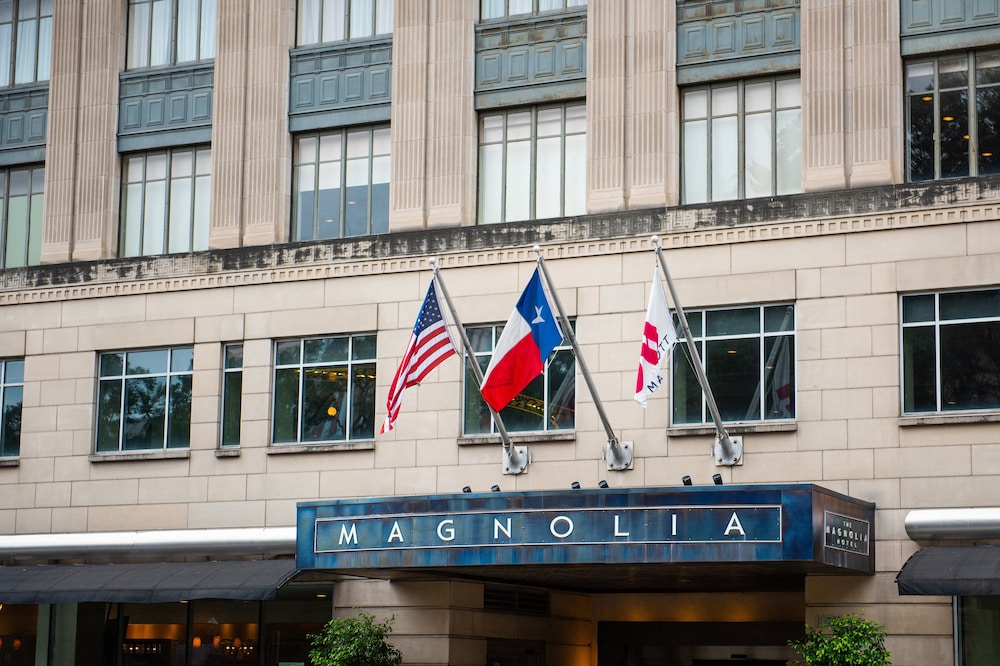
{"x":528,"y":338}
{"x":658,"y":336}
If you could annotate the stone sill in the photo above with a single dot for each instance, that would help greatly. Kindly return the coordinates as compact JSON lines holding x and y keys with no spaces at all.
{"x":128,"y":456}
{"x":949,"y":419}
{"x":519,"y":438}
{"x":325,"y":447}
{"x":733,"y":429}
{"x":228,"y":452}
{"x":12,"y":461}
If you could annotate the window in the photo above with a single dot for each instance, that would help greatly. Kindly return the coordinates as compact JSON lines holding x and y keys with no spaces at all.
{"x":978,"y":619}
{"x":322,"y":21}
{"x":532,"y":163}
{"x":951,"y":351}
{"x":742,"y":140}
{"x":952,"y":108}
{"x":341,"y":184}
{"x":489,"y":9}
{"x":742,"y":349}
{"x":11,"y":394}
{"x":166,"y":202}
{"x":21,"y":203}
{"x":232,"y":393}
{"x":144,"y":400}
{"x":170,"y":32}
{"x":547,"y":403}
{"x":25,"y":41}
{"x":324,"y":389}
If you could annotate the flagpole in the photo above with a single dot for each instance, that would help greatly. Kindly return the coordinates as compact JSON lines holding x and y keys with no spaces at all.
{"x":515,"y":457}
{"x":619,"y":454}
{"x":728,"y":451}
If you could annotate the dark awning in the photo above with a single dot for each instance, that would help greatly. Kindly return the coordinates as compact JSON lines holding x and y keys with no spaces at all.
{"x":143,"y":583}
{"x":952,"y":571}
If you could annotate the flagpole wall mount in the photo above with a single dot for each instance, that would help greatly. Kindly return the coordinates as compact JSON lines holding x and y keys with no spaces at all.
{"x":515,"y":459}
{"x":618,"y":455}
{"x":728,"y":451}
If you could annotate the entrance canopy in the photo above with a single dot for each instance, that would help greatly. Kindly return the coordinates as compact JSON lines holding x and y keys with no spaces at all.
{"x":677,"y":538}
{"x":143,"y":583}
{"x":952,"y":571}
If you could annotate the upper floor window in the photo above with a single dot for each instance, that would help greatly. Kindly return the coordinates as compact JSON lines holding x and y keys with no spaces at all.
{"x":324,"y":389}
{"x":547,"y":403}
{"x":166,"y":198}
{"x":232,"y":393}
{"x":951,"y":351}
{"x":321,"y":21}
{"x":25,"y":41}
{"x":11,"y":395}
{"x":749,"y":359}
{"x":21,"y":203}
{"x":532,"y":163}
{"x":144,"y":400}
{"x":341,"y":184}
{"x":170,"y":32}
{"x":489,"y":9}
{"x":953,"y":103}
{"x":742,"y":140}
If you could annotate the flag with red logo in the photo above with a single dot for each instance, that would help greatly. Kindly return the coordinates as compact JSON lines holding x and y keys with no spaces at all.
{"x":658,"y":336}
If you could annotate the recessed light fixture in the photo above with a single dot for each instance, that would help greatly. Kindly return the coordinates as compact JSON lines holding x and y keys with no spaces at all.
{"x":948,"y":119}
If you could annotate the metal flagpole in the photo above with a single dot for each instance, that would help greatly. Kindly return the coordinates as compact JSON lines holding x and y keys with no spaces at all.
{"x":728,"y":450}
{"x":515,"y":458}
{"x":619,"y":454}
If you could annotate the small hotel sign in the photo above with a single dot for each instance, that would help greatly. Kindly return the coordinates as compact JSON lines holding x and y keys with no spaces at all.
{"x":845,"y":533}
{"x":684,"y":524}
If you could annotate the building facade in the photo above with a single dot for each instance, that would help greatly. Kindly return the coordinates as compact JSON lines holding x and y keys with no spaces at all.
{"x":218,"y":225}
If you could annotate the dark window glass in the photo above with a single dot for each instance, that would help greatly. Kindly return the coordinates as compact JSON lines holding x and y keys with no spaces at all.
{"x":11,"y":395}
{"x":232,"y":394}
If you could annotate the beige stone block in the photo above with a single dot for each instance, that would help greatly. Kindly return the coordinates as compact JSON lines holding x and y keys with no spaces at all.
{"x":885,"y":402}
{"x":808,"y":283}
{"x":227,"y":488}
{"x":38,"y":419}
{"x":7,"y":520}
{"x":35,"y":470}
{"x":33,"y":342}
{"x":227,"y":328}
{"x":873,"y":433}
{"x":885,"y":340}
{"x":917,"y":243}
{"x":74,"y":417}
{"x":820,"y":314}
{"x":12,"y":343}
{"x":948,"y":491}
{"x":984,"y":237}
{"x":417,"y":481}
{"x":779,"y":467}
{"x":52,"y":444}
{"x":282,"y":512}
{"x":847,"y":342}
{"x":142,"y":517}
{"x":191,"y":490}
{"x":852,"y":464}
{"x":356,"y":483}
{"x":298,"y":295}
{"x":847,"y":404}
{"x":98,"y":311}
{"x":845,"y":281}
{"x":921,"y":650}
{"x":39,"y":368}
{"x":71,"y":468}
{"x":401,"y":453}
{"x":954,"y":434}
{"x":830,"y":373}
{"x":33,"y":521}
{"x":928,"y":461}
{"x":57,"y":392}
{"x":66,"y":519}
{"x":725,"y":290}
{"x":799,"y":253}
{"x":52,"y":494}
{"x":80,"y":365}
{"x":560,"y":474}
{"x":873,"y":371}
{"x":34,"y":317}
{"x":221,"y":515}
{"x":808,"y":345}
{"x":986,"y":458}
{"x":120,"y":493}
{"x":948,"y":272}
{"x":183,"y":304}
{"x":872,"y":310}
{"x":274,"y":485}
{"x":434,"y":452}
{"x":890,"y":525}
{"x":124,"y":336}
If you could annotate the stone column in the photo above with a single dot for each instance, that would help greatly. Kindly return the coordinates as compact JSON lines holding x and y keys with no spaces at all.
{"x":606,"y":95}
{"x":267,"y":147}
{"x":823,"y":95}
{"x":408,"y":121}
{"x":229,"y":123}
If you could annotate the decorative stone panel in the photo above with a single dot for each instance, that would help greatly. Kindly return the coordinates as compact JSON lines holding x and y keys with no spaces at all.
{"x":928,"y":26}
{"x":165,"y":107}
{"x":23,"y":116}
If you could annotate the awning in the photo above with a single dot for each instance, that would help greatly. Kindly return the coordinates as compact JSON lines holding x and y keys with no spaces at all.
{"x":144,"y":583}
{"x":952,"y":571}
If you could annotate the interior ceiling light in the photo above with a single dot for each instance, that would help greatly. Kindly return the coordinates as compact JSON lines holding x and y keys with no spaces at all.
{"x":948,"y":119}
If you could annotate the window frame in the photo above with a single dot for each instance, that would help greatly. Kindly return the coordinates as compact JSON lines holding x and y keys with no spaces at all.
{"x":139,"y":53}
{"x":975,"y":164}
{"x":11,"y":381}
{"x":231,"y":409}
{"x":698,"y":323}
{"x":376,"y":134}
{"x":495,"y":189}
{"x":41,"y":45}
{"x":352,"y":366}
{"x":319,"y":20}
{"x":121,"y":379}
{"x":778,"y":164}
{"x":472,"y":397}
{"x":30,"y":253}
{"x":938,"y":322}
{"x":199,"y":204}
{"x":486,"y":14}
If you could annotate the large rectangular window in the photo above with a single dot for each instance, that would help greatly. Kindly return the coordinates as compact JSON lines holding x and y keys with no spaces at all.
{"x":341,"y":184}
{"x":21,"y":209}
{"x":742,"y":140}
{"x":978,"y":630}
{"x":951,"y":351}
{"x":170,"y":32}
{"x":324,"y":389}
{"x":232,"y":393}
{"x":952,"y":106}
{"x":532,"y":163}
{"x":749,"y":359}
{"x":166,"y":198}
{"x":547,"y":403}
{"x":144,"y":400}
{"x":11,"y":396}
{"x":321,"y":21}
{"x":25,"y":41}
{"x":490,"y":9}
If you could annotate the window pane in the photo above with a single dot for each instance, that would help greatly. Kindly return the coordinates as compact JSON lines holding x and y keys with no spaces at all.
{"x":477,"y":418}
{"x":695,"y":104}
{"x":179,"y":428}
{"x":286,"y":405}
{"x":779,"y":318}
{"x":112,"y":365}
{"x":788,"y":93}
{"x":334,"y":21}
{"x":757,"y":167}
{"x":328,"y":213}
{"x":363,"y":347}
{"x":733,"y":370}
{"x":24,"y":61}
{"x":953,"y":72}
{"x":44,"y":49}
{"x":491,"y":9}
{"x":988,"y":128}
{"x":695,"y":162}
{"x":232,"y":390}
{"x":383,"y":17}
{"x":686,"y":391}
{"x":979,"y":617}
{"x":363,"y":402}
{"x":146,"y":362}
{"x":326,"y":350}
{"x":526,"y":412}
{"x":5,"y":38}
{"x":725,"y":101}
{"x":357,"y":193}
{"x":381,"y":172}
{"x":159,"y":49}
{"x":362,"y":18}
{"x":517,"y":197}
{"x":757,"y":97}
{"x":13,"y":372}
{"x":180,"y":215}
{"x":182,"y":359}
{"x":920,"y":77}
{"x":207,"y":30}
{"x":548,"y":173}
{"x":491,"y":184}
{"x":562,"y":390}
{"x":954,"y":134}
{"x":187,"y":30}
{"x":17,"y":219}
{"x":202,"y":212}
{"x":779,"y":378}
{"x":154,"y":224}
{"x":918,"y":308}
{"x":287,"y":352}
{"x":725,"y":159}
{"x":324,"y":408}
{"x":970,"y":368}
{"x":921,"y":137}
{"x":789,"y":151}
{"x":145,"y":413}
{"x":308,"y":24}
{"x":492,"y":129}
{"x":36,"y":215}
{"x":970,"y":304}
{"x":109,"y":399}
{"x":919,"y":370}
{"x":11,"y":434}
{"x":518,"y":7}
{"x":576,"y":175}
{"x":305,"y":204}
{"x":743,"y":321}
{"x":518,"y":126}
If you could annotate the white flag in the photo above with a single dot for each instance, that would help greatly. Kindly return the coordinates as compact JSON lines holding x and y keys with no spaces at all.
{"x":658,"y":336}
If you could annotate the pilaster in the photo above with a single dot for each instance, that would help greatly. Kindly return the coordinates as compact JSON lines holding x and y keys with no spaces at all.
{"x":606,"y":99}
{"x":823,"y":95}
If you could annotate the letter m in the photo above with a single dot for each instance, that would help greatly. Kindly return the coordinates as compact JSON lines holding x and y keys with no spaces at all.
{"x":348,"y":537}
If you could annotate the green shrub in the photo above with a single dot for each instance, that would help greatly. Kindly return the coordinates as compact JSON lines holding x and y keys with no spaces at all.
{"x":354,"y":641}
{"x":848,"y":640}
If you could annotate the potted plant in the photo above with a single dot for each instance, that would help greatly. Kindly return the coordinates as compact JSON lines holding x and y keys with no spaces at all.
{"x":354,"y":641}
{"x":846,"y":640}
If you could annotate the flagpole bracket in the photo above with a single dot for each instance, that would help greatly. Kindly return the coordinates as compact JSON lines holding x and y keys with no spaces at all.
{"x":728,"y":450}
{"x":618,"y":455}
{"x":515,"y":459}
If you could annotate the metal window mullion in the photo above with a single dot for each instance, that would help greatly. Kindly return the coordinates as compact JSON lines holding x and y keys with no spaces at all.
{"x":172,"y":55}
{"x":709,"y":126}
{"x":532,"y":162}
{"x":299,"y":402}
{"x":192,"y":222}
{"x":774,"y":152}
{"x":121,"y":404}
{"x":344,"y":167}
{"x":741,"y":119}
{"x":937,"y":351}
{"x":937,"y":121}
{"x":12,"y":66}
{"x":169,"y":163}
{"x":371,"y":163}
{"x":503,"y":166}
{"x":166,"y":401}
{"x":972,"y":118}
{"x":4,"y":221}
{"x":761,"y":370}
{"x":317,"y":162}
{"x":562,"y":160}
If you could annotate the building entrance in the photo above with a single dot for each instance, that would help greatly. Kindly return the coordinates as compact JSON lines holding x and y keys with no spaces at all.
{"x":696,"y":643}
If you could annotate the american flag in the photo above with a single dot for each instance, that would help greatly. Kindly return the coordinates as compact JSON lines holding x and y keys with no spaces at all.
{"x":429,"y":344}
